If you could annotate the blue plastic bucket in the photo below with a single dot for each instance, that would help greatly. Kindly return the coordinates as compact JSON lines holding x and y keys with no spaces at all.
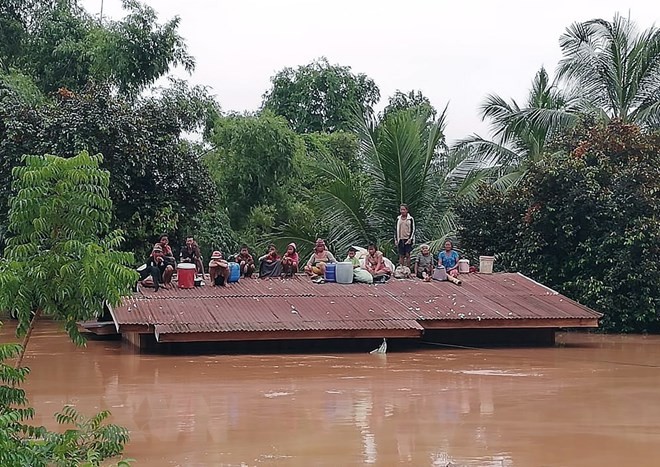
{"x":330,"y":269}
{"x":234,"y":272}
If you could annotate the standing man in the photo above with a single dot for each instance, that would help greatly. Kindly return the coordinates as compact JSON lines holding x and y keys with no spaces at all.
{"x":404,"y":235}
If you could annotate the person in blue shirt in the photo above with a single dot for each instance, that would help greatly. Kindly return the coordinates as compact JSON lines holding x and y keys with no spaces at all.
{"x":449,"y":259}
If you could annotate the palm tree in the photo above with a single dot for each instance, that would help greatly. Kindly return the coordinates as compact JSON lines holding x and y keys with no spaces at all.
{"x":517,"y":141}
{"x":614,"y":68}
{"x":404,"y":161}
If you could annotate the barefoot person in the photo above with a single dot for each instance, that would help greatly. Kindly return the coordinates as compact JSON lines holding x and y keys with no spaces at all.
{"x":218,"y":269}
{"x":424,"y":264}
{"x":449,"y":259}
{"x":320,"y":257}
{"x":375,"y":265}
{"x":245,"y":261}
{"x":404,"y":235}
{"x":290,"y":261}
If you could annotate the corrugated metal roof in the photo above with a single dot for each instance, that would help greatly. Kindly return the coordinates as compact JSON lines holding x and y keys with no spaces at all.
{"x":297,"y":304}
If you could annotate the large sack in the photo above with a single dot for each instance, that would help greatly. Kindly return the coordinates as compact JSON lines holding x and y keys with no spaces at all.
{"x":361,"y":275}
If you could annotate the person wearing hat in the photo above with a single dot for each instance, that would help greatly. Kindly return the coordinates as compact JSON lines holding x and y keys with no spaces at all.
{"x":218,"y":269}
{"x":153,"y":266}
{"x":320,"y":257}
{"x":290,"y":260}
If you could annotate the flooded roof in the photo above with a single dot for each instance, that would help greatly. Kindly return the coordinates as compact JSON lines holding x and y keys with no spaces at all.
{"x":294,"y":307}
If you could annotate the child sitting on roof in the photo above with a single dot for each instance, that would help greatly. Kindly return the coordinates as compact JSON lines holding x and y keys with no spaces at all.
{"x":290,"y":260}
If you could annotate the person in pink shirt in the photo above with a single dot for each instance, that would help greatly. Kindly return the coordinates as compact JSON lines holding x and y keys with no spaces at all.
{"x":290,"y":261}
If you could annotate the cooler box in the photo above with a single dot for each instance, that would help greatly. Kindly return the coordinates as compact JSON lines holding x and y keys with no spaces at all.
{"x":234,"y":272}
{"x":185,"y":273}
{"x":330,"y":270}
{"x":344,"y":272}
{"x":463,"y":266}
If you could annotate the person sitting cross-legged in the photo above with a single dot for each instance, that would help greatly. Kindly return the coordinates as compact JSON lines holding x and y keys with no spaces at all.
{"x":320,"y":257}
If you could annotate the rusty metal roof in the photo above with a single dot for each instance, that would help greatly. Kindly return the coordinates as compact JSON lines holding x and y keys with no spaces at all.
{"x":297,"y":304}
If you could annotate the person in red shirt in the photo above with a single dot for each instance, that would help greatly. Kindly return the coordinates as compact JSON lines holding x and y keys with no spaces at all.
{"x":290,"y":260}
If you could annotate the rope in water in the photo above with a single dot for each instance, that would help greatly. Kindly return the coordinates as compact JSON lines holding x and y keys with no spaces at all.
{"x":611,"y":362}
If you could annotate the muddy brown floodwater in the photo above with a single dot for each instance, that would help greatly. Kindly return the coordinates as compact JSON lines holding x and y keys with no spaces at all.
{"x":591,"y":401}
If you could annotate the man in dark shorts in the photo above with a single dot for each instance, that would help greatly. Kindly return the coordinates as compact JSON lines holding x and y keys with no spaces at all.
{"x":404,"y":235}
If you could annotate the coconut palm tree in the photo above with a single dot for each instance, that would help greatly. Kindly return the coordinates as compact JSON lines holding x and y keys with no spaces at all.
{"x":404,"y":161}
{"x":517,"y":141}
{"x":614,"y":68}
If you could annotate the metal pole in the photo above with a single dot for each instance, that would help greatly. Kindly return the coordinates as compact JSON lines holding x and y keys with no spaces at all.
{"x":101,"y":14}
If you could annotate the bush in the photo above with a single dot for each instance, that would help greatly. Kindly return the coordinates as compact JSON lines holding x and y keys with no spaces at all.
{"x":584,"y":221}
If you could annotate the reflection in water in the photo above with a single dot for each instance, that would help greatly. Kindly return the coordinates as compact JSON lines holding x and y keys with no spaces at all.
{"x":587,"y":405}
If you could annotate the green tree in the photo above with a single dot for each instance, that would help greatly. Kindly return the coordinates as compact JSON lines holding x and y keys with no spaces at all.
{"x":585,"y":222}
{"x":412,"y":100}
{"x":252,"y":163}
{"x":157,"y":178}
{"x":616,"y":70}
{"x":59,"y":44}
{"x":404,"y":160}
{"x":517,"y":142}
{"x":61,"y":260}
{"x":320,"y":97}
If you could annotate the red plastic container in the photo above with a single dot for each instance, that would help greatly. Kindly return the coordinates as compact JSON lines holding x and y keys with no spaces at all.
{"x":186,"y":275}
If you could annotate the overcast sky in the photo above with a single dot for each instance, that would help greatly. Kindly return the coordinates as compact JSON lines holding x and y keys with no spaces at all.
{"x":456,"y":52}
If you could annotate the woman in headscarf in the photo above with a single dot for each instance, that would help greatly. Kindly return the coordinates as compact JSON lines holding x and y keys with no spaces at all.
{"x":290,"y":260}
{"x":320,"y":257}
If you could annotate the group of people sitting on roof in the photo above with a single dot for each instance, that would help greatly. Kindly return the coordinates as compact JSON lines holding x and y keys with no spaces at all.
{"x":369,"y":265}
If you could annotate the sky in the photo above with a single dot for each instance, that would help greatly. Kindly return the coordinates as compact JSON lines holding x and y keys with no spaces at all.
{"x":454,"y":52}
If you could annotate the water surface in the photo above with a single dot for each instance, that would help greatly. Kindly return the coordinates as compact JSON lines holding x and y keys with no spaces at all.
{"x":591,"y":401}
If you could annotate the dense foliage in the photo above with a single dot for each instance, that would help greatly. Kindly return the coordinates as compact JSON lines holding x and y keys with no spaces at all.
{"x":62,"y":261}
{"x":157,"y":178}
{"x":58,"y":44}
{"x":584,"y":221}
{"x":320,"y":96}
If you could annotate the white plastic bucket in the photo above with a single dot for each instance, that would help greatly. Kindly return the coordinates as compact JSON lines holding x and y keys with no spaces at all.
{"x":463,"y":266}
{"x":344,"y":272}
{"x":440,"y":274}
{"x":486,"y":264}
